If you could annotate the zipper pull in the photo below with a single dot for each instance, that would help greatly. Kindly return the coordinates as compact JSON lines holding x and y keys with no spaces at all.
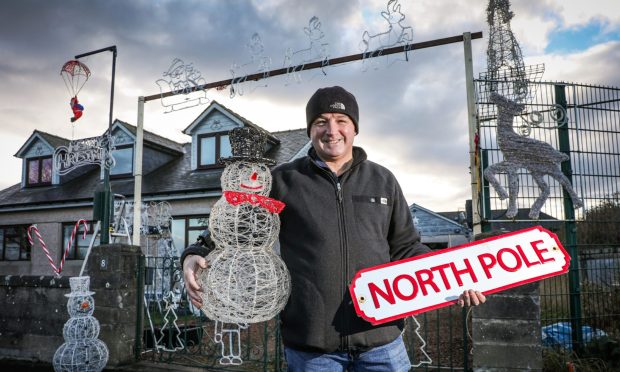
{"x":339,"y":192}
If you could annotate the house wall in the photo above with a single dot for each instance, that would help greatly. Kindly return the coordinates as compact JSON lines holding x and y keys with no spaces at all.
{"x":49,"y":222}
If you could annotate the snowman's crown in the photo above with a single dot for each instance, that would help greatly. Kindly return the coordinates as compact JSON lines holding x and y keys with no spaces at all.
{"x":247,"y":143}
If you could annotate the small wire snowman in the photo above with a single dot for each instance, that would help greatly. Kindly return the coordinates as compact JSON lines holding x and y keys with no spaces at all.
{"x":246,"y":282}
{"x":82,"y":350}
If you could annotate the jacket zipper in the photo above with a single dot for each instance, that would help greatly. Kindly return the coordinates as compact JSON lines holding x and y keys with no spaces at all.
{"x":344,"y":341}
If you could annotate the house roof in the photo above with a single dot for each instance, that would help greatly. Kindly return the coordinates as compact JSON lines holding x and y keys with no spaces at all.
{"x":52,"y":140}
{"x":225,"y":110}
{"x":432,"y":225}
{"x":153,"y":138}
{"x":174,"y":177}
{"x":441,"y":216}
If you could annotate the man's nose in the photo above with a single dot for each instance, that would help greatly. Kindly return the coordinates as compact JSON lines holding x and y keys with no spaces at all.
{"x":331,"y":126}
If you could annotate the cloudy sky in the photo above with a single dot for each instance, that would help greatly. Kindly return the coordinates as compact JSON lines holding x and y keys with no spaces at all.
{"x":412,"y":114}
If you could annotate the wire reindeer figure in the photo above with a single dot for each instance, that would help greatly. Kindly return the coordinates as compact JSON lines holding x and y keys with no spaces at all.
{"x":509,"y":89}
{"x":537,"y":157}
{"x":396,"y":34}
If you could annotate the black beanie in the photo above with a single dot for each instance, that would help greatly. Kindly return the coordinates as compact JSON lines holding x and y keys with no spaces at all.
{"x":332,"y":99}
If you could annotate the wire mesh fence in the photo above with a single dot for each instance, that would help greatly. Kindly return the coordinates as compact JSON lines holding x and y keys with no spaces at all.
{"x":580,"y":311}
{"x":175,"y":332}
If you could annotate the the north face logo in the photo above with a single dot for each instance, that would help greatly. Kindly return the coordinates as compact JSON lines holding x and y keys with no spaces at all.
{"x":337,"y":106}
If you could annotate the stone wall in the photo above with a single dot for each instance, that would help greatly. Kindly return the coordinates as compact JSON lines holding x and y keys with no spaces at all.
{"x":506,"y":330}
{"x":34,"y":309}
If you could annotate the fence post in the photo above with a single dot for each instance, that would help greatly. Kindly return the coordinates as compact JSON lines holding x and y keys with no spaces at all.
{"x":112,"y":270}
{"x":486,"y":194}
{"x":569,"y":224}
{"x":472,"y":124}
{"x":139,"y":306}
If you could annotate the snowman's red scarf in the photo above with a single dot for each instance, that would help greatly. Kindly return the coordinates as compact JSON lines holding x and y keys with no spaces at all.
{"x":236,"y":198}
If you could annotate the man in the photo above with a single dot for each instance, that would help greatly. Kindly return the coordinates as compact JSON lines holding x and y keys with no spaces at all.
{"x":343,"y":213}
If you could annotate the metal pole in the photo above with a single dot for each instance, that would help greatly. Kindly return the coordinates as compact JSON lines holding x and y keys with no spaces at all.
{"x":107,"y":190}
{"x":321,"y":64}
{"x":473,"y":130}
{"x":571,"y":228}
{"x":137,"y":198}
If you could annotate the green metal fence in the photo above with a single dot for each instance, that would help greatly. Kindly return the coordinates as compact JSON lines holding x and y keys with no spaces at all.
{"x":173,"y":331}
{"x":580,"y":311}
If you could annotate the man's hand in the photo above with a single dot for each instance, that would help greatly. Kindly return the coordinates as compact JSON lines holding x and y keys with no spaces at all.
{"x":471,"y":298}
{"x":192,"y":265}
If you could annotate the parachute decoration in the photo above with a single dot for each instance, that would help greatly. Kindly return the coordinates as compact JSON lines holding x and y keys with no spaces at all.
{"x":75,"y":74}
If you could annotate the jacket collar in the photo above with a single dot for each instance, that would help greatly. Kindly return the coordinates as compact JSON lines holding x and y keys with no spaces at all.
{"x":359,"y":155}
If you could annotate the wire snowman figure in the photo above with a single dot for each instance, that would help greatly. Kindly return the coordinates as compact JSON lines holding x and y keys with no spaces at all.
{"x":246,"y":282}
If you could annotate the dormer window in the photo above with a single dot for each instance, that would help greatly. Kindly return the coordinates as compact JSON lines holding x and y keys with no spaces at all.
{"x":39,"y":171}
{"x":212,"y":147}
{"x":123,"y":158}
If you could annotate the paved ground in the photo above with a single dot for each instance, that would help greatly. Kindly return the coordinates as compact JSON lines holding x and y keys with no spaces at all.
{"x":17,"y":366}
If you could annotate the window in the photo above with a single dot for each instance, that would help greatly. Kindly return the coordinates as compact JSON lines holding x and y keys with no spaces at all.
{"x":39,"y":171}
{"x":185,"y":230}
{"x":123,"y":158}
{"x":14,"y":244}
{"x":79,"y":246}
{"x":212,"y":147}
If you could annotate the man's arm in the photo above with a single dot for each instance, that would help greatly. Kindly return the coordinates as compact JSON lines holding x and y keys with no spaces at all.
{"x":403,"y":237}
{"x":193,"y":261}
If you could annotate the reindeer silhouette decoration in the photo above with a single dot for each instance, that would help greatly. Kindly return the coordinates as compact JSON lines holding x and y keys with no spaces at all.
{"x":537,"y":157}
{"x":294,"y":61}
{"x":396,"y":34}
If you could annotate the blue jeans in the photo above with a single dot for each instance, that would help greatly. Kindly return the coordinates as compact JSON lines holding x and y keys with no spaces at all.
{"x":391,"y":357}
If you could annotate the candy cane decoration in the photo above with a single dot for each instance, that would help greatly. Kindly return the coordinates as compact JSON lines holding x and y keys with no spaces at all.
{"x":58,"y":269}
{"x":75,"y":228}
{"x":47,"y":252}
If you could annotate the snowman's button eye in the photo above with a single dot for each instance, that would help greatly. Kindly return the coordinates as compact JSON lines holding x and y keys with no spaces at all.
{"x":240,"y":166}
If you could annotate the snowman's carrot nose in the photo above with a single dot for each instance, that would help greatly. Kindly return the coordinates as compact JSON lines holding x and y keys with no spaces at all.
{"x":254,"y":176}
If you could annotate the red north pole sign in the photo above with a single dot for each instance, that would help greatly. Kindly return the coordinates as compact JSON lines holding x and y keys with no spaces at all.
{"x":436,"y":279}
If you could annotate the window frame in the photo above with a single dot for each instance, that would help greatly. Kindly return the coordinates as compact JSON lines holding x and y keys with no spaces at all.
{"x":24,"y":245}
{"x":39,"y":159}
{"x":130,"y":173}
{"x":187,"y":228}
{"x":218,"y":147}
{"x":73,"y":253}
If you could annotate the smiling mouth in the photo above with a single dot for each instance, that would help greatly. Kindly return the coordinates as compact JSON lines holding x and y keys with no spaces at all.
{"x":251,"y":187}
{"x":332,"y":142}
